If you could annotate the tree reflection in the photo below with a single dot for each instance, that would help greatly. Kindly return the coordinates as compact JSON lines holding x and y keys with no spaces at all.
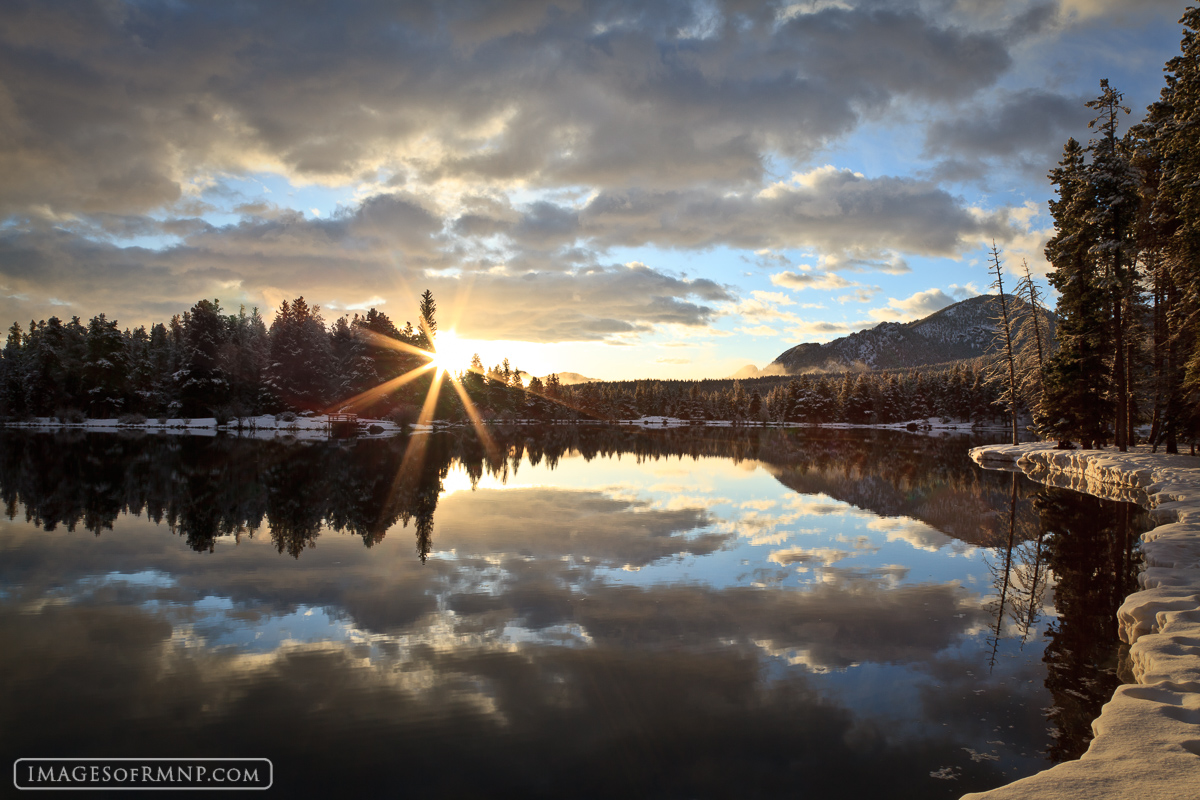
{"x":1086,"y":550}
{"x":207,"y":487}
{"x":1093,"y":556}
{"x":1019,"y":571}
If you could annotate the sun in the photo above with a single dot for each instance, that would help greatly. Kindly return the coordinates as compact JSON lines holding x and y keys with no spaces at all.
{"x":453,"y":354}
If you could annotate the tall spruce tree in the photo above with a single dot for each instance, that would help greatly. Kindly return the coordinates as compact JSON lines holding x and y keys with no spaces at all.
{"x":106,"y":368}
{"x":203,"y":384}
{"x":1177,"y":208}
{"x":1076,"y":391}
{"x":1112,"y":218}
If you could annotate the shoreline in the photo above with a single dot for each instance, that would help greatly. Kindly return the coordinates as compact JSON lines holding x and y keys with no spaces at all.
{"x":317,"y":427}
{"x":1147,"y":737}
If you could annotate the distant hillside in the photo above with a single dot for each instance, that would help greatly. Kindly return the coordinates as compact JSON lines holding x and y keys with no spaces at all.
{"x":962,"y":331}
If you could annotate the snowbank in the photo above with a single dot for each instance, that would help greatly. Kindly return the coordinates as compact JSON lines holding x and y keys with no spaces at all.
{"x":265,"y":426}
{"x":1147,"y":738}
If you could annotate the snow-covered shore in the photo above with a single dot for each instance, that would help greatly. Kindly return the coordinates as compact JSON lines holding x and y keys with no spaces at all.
{"x":265,"y":426}
{"x":1147,"y":738}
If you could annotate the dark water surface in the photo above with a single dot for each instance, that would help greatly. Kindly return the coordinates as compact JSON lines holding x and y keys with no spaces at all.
{"x":591,"y":612}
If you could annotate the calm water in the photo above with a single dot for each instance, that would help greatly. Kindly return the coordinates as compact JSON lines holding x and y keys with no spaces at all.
{"x":578,"y":613}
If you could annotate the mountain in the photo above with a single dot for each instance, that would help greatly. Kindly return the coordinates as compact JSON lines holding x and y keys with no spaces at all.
{"x":961,"y":331}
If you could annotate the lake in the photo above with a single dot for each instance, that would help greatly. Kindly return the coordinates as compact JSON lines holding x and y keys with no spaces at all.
{"x":560,"y":612}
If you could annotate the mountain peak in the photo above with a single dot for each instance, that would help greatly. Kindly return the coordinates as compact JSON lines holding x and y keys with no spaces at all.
{"x":960,"y":331}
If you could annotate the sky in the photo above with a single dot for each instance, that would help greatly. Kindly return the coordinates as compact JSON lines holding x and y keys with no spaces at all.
{"x":619,"y":189}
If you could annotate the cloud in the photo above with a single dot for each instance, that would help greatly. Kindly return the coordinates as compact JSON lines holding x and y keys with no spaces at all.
{"x":820,"y":556}
{"x":761,"y":330}
{"x":164,"y":98}
{"x":1021,"y":129}
{"x":483,"y":692}
{"x":387,"y":249}
{"x":1119,"y":8}
{"x":915,"y":306}
{"x":808,"y":280}
{"x":822,"y":330}
{"x":916,"y":533}
{"x":839,"y":212}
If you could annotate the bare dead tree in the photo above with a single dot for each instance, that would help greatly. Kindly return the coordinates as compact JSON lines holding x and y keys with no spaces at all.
{"x":1005,"y":337}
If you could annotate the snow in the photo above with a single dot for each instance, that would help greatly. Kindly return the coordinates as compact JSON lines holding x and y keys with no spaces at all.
{"x":264,"y":426}
{"x":1147,"y":738}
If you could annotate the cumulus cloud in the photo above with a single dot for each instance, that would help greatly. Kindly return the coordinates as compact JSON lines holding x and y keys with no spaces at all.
{"x":915,"y":306}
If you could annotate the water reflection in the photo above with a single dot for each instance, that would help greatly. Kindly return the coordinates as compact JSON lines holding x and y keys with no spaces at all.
{"x":597,"y":611}
{"x":204,"y":488}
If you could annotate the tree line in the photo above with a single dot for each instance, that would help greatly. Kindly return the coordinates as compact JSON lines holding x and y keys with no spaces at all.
{"x":205,"y":362}
{"x":1124,"y":260}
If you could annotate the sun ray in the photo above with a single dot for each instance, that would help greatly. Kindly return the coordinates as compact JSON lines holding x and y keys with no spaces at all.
{"x":476,"y":421}
{"x":365,"y":399}
{"x":414,"y":454}
{"x":379,"y":340}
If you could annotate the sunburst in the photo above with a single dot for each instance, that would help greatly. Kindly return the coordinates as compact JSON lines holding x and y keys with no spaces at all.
{"x":440,"y":360}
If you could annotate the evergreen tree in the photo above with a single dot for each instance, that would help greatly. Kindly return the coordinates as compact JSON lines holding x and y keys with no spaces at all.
{"x":12,"y":373}
{"x":427,"y":322}
{"x":301,"y":371}
{"x":203,"y":384}
{"x":1176,"y":119}
{"x":1076,"y":391}
{"x":1112,"y":219}
{"x":106,"y":368}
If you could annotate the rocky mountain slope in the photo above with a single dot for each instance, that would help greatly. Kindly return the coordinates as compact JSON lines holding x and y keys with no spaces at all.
{"x":964,"y":330}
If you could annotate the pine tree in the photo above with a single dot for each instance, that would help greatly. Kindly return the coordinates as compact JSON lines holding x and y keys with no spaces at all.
{"x":427,"y":322}
{"x":203,"y":384}
{"x":1076,"y":389}
{"x":301,"y":369}
{"x":106,"y":368}
{"x":1112,"y":218}
{"x":1177,"y":211}
{"x":12,"y":373}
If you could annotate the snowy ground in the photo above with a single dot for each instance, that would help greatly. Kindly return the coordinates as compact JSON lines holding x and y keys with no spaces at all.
{"x":1147,"y":741}
{"x":265,"y":426}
